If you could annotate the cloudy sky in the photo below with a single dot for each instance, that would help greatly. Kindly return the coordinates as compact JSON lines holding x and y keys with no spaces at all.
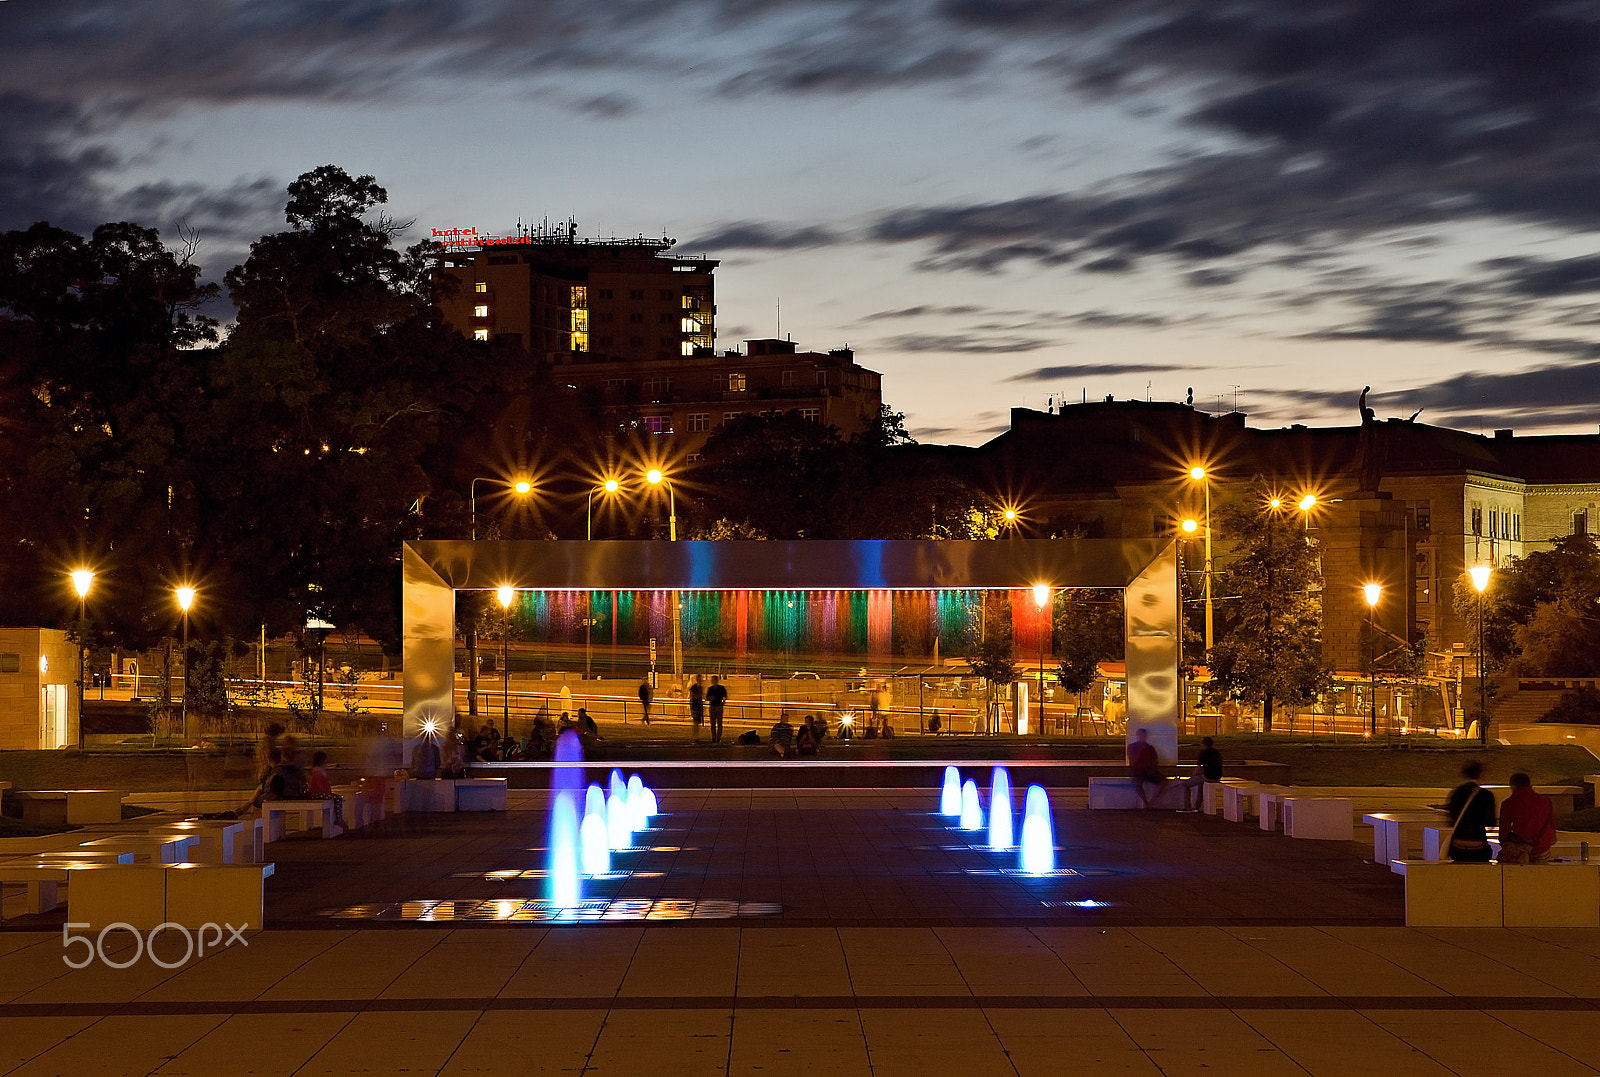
{"x":992,"y":201}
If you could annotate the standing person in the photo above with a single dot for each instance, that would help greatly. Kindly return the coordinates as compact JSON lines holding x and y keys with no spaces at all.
{"x":1471,"y":807}
{"x":645,"y":695}
{"x":716,"y":699}
{"x":1144,"y":767}
{"x":697,"y":706}
{"x":1527,"y":824}
{"x":425,"y":757}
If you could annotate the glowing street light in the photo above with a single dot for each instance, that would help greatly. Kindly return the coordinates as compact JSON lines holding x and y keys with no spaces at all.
{"x":506,"y":595}
{"x":185,"y":597}
{"x":520,"y":487}
{"x":1480,"y":580}
{"x":609,"y":487}
{"x":81,"y":579}
{"x":655,"y":478}
{"x":1199,"y":474}
{"x":1373,"y":592}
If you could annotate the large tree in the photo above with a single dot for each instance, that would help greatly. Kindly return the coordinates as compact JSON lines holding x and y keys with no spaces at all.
{"x":1541,"y":613}
{"x":1269,"y":646}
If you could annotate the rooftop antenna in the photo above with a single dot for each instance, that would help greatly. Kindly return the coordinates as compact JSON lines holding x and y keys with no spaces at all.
{"x":1236,"y":400}
{"x":1147,"y":392}
{"x":779,"y":332}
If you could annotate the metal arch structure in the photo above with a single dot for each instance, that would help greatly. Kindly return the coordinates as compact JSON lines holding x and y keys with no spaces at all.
{"x":1146,"y":569}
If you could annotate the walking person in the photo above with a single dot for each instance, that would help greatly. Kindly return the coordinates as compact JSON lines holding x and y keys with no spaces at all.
{"x":697,"y":706}
{"x":1471,"y":806}
{"x":645,"y":695}
{"x":716,"y":700}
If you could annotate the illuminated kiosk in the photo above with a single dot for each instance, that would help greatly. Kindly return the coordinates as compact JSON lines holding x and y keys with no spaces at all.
{"x":1146,"y":570}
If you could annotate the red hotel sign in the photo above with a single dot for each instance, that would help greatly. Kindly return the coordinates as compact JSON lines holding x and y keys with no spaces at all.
{"x":469,"y":237}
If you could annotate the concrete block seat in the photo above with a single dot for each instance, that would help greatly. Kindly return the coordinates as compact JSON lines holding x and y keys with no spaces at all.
{"x":43,"y":875}
{"x":220,"y":841}
{"x":1119,"y":794}
{"x":1446,"y":894}
{"x":480,"y":794}
{"x":1211,"y":796}
{"x":1319,"y":818}
{"x":1562,"y":894}
{"x":73,"y":807}
{"x":311,"y":812}
{"x":189,"y":895}
{"x":155,"y":848}
{"x":1238,"y":799}
{"x":1395,"y":833}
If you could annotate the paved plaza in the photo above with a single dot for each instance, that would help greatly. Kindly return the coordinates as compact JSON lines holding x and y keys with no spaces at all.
{"x":819,"y":932}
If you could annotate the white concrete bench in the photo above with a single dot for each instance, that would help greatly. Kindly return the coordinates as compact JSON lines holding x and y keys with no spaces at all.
{"x":190,"y":895}
{"x":155,"y":848}
{"x":1445,"y":894}
{"x":480,"y":794}
{"x":1319,"y":818}
{"x":42,"y":875}
{"x":73,"y":807}
{"x":1119,"y":794}
{"x":1395,"y":832}
{"x":1212,"y":795}
{"x":1238,"y":798}
{"x":310,"y":811}
{"x":221,"y":841}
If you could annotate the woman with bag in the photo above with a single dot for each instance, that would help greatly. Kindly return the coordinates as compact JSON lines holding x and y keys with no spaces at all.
{"x":1471,"y":806}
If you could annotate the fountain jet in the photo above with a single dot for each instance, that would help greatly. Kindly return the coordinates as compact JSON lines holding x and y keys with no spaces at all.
{"x":1038,"y":855}
{"x":971,"y":810}
{"x":950,"y":796}
{"x":565,"y":877}
{"x":1000,"y":827}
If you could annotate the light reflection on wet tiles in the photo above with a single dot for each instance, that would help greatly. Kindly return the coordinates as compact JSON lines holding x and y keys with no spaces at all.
{"x":517,"y":910}
{"x":540,"y":873}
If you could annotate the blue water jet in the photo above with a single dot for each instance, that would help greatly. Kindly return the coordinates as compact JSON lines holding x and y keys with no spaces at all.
{"x":594,"y":843}
{"x":636,"y":807}
{"x":971,"y":810}
{"x":1038,"y":855}
{"x":565,"y":876}
{"x":619,"y":823}
{"x":1000,"y":825}
{"x":950,"y":796}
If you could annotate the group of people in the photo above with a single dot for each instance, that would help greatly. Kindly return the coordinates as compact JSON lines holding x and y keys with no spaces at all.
{"x":489,"y":745}
{"x":790,"y":742}
{"x":283,"y":773}
{"x":1527,"y":821}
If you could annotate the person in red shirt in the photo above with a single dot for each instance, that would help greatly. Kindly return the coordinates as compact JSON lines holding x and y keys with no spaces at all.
{"x":1144,"y":767}
{"x":1527,"y":824}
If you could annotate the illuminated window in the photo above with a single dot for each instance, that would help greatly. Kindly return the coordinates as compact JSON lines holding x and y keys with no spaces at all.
{"x":688,"y":302}
{"x":688,"y":347}
{"x":580,"y":342}
{"x":811,"y":414}
{"x":690,"y":325}
{"x":480,"y":334}
{"x":729,"y":416}
{"x":481,"y":286}
{"x":658,"y":424}
{"x":730,"y":383}
{"x":481,"y":310}
{"x":699,"y":422}
{"x":580,"y":321}
{"x":580,"y":297}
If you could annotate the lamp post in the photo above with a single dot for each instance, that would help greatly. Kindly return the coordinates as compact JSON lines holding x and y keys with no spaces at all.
{"x":655,"y":478}
{"x":1373,"y":591}
{"x":521,"y":487}
{"x":506,"y":595}
{"x":1041,"y":598}
{"x":185,"y":596}
{"x":610,"y":486}
{"x":81,"y":579}
{"x":1480,"y":580}
{"x":1198,"y":474}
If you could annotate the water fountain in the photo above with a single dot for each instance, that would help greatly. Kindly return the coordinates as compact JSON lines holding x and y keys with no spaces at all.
{"x":971,"y":810}
{"x":1038,"y":856}
{"x":651,"y":807}
{"x":594,"y":841}
{"x":1000,"y":828}
{"x":619,"y":823}
{"x":950,"y":796}
{"x":563,"y":870}
{"x":636,"y":803}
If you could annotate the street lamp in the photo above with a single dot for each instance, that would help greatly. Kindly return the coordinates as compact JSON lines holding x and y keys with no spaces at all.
{"x":520,"y":487}
{"x":655,"y":478}
{"x":81,"y":579}
{"x":610,"y":486}
{"x":185,"y":596}
{"x":1198,"y":474}
{"x":1373,"y":591}
{"x":1480,"y":580}
{"x":1041,"y":598}
{"x":506,"y":595}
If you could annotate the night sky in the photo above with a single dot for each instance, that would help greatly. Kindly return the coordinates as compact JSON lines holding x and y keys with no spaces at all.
{"x":992,"y":202}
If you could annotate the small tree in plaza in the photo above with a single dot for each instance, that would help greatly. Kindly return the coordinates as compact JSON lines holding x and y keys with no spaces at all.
{"x":1269,"y":639}
{"x":1088,"y":630}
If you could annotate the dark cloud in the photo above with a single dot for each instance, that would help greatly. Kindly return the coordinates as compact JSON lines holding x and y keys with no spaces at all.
{"x":1544,"y":279}
{"x":1093,"y":370}
{"x":755,"y":235}
{"x":973,"y":343}
{"x":924,"y":311}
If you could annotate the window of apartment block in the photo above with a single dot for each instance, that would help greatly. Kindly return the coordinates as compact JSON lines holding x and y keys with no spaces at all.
{"x":635,"y":293}
{"x":1477,"y":519}
{"x":580,"y":296}
{"x":635,"y":341}
{"x":791,"y":378}
{"x":606,"y":316}
{"x":736,"y":383}
{"x":480,"y":286}
{"x":1424,"y":516}
{"x":617,"y":385}
{"x":636,"y":319}
{"x":1580,"y":522}
{"x":481,"y":310}
{"x":729,"y":416}
{"x":480,"y":334}
{"x":666,"y":319}
{"x":1516,"y":527}
{"x":658,"y":424}
{"x":1494,"y":523}
{"x":699,"y":422}
{"x":606,"y":342}
{"x":813,"y":414}
{"x":657,"y":388}
{"x":822,"y":377}
{"x":10,"y":663}
{"x":604,"y":293}
{"x":1424,"y":576}
{"x":668,"y":295}
{"x":687,"y":350}
{"x":694,"y":458}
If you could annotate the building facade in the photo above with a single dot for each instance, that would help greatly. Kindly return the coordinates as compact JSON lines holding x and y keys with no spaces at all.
{"x":38,"y":703}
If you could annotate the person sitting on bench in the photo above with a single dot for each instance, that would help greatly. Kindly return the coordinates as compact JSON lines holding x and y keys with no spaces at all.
{"x":1527,"y":824}
{"x":1144,"y":767}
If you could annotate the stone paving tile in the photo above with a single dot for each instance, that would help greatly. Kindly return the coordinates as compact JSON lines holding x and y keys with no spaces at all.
{"x":1436,"y":956}
{"x":259,"y":1045}
{"x":117,"y":1046}
{"x":684,"y":1043}
{"x":798,"y":1043}
{"x":915,"y":1043}
{"x":1576,"y":1034}
{"x":1472,"y":1043}
{"x":684,"y":963}
{"x":1204,"y":1042}
{"x":575,"y":962}
{"x":402,"y":1042}
{"x":1214,"y":959}
{"x":1333,"y":964}
{"x":794,"y":962}
{"x":361,"y":966}
{"x":24,"y":1038}
{"x":1338,"y":1043}
{"x":527,"y":1043}
{"x":1062,"y":1043}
